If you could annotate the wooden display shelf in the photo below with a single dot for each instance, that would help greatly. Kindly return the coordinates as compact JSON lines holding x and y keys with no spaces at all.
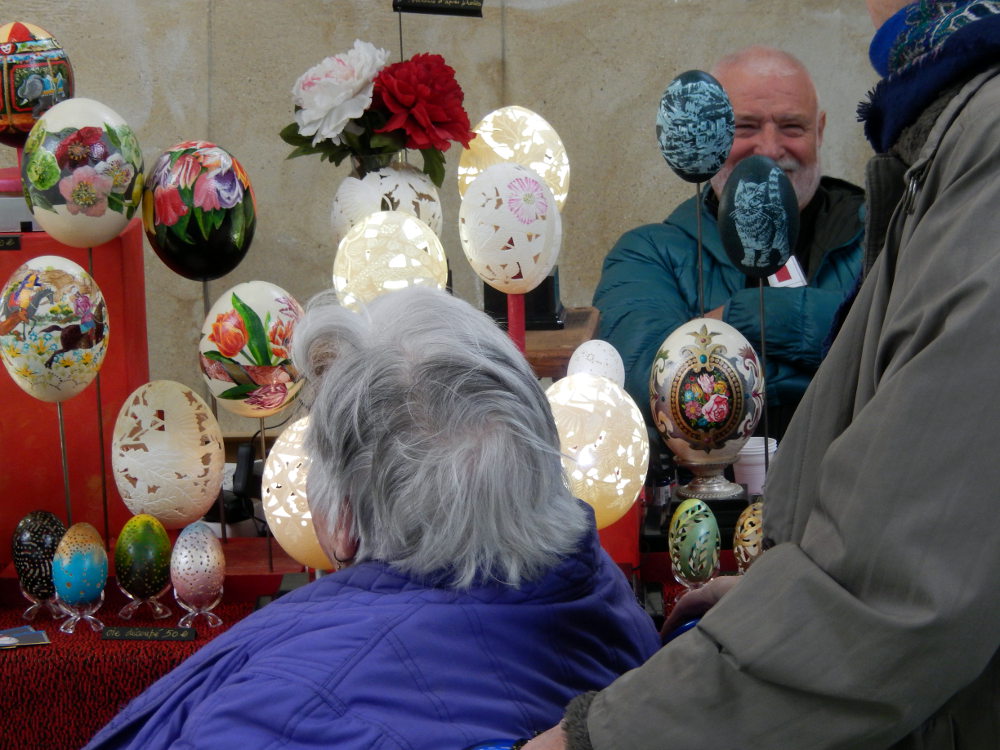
{"x":548,"y":352}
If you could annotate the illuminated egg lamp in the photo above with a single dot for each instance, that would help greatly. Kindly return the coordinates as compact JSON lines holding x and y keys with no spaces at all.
{"x":748,"y":535}
{"x":706,"y":395}
{"x":36,"y":76}
{"x":33,"y":545}
{"x":167,"y":453}
{"x":396,"y":187}
{"x":695,"y":126}
{"x":604,"y":443}
{"x":199,"y":210}
{"x":694,"y":543}
{"x":598,"y":358}
{"x":510,"y":228}
{"x":758,"y":216}
{"x":53,"y":328}
{"x":284,"y":497}
{"x":198,"y":574}
{"x":386,"y":251}
{"x":79,"y":574}
{"x":245,"y":349}
{"x":518,"y":135}
{"x":82,"y":173}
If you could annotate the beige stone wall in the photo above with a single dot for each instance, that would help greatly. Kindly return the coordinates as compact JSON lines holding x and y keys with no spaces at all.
{"x":222,"y":70}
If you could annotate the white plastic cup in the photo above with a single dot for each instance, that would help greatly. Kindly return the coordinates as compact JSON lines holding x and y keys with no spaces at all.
{"x":749,"y":465}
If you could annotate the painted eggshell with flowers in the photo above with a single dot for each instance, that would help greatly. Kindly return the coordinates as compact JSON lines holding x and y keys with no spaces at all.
{"x":199,"y":210}
{"x":82,"y":172}
{"x":53,"y":328}
{"x":36,"y":76}
{"x":246,"y":349}
{"x":510,"y":228}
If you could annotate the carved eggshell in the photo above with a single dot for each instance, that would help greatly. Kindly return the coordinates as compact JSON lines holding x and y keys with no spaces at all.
{"x":53,"y":327}
{"x":695,"y":126}
{"x":385,"y":251}
{"x":286,"y":506}
{"x":748,"y":535}
{"x":758,"y":216}
{"x":36,"y":75}
{"x":142,"y":556}
{"x":80,"y":565}
{"x":397,"y":187}
{"x":510,"y":228}
{"x":167,"y":453}
{"x":706,"y":391}
{"x":245,"y":349}
{"x":516,"y":134}
{"x":604,"y":443}
{"x":33,"y":546}
{"x":82,"y":171}
{"x":693,"y":541}
{"x":598,"y":358}
{"x":199,"y":210}
{"x":197,"y":566}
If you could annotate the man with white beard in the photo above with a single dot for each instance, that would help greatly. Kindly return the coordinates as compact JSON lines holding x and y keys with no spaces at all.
{"x":649,"y":282}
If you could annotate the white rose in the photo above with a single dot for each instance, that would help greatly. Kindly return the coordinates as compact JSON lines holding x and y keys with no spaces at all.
{"x":337,"y":90}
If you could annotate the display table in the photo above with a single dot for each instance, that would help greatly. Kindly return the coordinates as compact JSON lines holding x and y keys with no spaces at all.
{"x":548,"y":352}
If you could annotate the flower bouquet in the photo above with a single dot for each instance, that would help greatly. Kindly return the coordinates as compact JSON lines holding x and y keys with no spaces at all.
{"x":354,"y":104}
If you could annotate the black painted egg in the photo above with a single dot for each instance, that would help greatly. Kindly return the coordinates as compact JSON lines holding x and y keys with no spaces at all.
{"x":33,"y":546}
{"x":695,"y":126}
{"x":142,"y":557}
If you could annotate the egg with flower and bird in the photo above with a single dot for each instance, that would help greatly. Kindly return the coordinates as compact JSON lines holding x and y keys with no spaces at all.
{"x":36,"y":76}
{"x":53,"y":327}
{"x":199,"y":210}
{"x":33,"y":546}
{"x":245,"y":349}
{"x":82,"y":172}
{"x":142,"y":557}
{"x":80,"y":565}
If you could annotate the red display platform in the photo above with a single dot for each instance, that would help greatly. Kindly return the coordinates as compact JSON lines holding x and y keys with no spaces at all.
{"x":31,"y":473}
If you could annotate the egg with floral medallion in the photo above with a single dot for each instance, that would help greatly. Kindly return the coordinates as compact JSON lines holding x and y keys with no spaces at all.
{"x":80,"y":565}
{"x":33,"y":546}
{"x":245,"y":349}
{"x":82,"y":172}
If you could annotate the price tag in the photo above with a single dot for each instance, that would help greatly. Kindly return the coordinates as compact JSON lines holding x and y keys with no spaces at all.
{"x":148,"y":634}
{"x":440,"y":7}
{"x":10,"y":242}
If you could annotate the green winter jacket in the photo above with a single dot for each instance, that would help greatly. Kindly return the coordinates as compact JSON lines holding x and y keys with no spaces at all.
{"x":649,"y":286}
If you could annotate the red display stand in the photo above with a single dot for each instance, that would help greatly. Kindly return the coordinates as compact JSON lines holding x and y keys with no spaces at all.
{"x":31,"y":474}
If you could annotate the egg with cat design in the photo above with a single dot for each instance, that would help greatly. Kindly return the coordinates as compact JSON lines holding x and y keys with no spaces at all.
{"x":80,"y":565}
{"x":142,"y":557}
{"x":33,"y":545}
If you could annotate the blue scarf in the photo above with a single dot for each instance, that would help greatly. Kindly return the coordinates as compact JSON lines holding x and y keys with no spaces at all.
{"x":923,"y":49}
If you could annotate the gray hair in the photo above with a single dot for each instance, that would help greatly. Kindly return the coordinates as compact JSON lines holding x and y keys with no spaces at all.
{"x":430,"y":421}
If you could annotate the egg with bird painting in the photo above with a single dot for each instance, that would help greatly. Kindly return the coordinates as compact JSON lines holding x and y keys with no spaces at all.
{"x":33,"y":546}
{"x":80,"y":565}
{"x":142,"y":557}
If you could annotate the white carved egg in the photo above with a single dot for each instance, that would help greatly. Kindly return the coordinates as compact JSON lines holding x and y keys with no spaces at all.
{"x":197,"y":566}
{"x":245,"y":350}
{"x":510,"y":228}
{"x":167,"y":453}
{"x":397,"y":187}
{"x":53,"y":328}
{"x":598,"y":358}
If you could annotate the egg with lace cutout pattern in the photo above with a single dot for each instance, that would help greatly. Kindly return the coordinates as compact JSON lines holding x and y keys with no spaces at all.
{"x":693,"y":541}
{"x":748,"y":535}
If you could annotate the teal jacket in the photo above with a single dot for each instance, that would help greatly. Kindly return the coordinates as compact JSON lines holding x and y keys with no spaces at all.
{"x":649,"y":286}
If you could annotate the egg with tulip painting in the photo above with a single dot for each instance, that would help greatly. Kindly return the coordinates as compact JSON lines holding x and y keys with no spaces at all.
{"x":53,"y":328}
{"x":82,"y":172}
{"x":199,"y":210}
{"x":246,"y":349}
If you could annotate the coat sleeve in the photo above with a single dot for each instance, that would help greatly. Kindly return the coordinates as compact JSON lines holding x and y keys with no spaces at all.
{"x":886,"y":606}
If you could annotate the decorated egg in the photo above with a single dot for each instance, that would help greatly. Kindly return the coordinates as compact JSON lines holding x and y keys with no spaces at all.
{"x":706,"y":391}
{"x":695,"y":126}
{"x":33,"y":546}
{"x":142,"y":557}
{"x":167,"y":453}
{"x":510,"y":228}
{"x":516,"y":134}
{"x":36,"y":75}
{"x":197,"y":566}
{"x":758,"y":216}
{"x":386,"y":251}
{"x":199,"y":210}
{"x":82,"y":172}
{"x":748,"y":535}
{"x":284,"y":496}
{"x":604,"y":443}
{"x":598,"y":358}
{"x":53,"y":328}
{"x":397,"y":187}
{"x":245,"y":350}
{"x":693,"y":541}
{"x":80,"y":565}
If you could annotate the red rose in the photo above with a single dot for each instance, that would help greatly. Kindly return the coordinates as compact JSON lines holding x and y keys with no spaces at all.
{"x":716,"y":408}
{"x":80,"y":147}
{"x":229,"y":334}
{"x":424,"y":101}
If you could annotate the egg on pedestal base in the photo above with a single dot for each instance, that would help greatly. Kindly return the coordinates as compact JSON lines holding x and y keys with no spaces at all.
{"x":142,"y":565}
{"x":79,"y":573}
{"x":33,"y":545}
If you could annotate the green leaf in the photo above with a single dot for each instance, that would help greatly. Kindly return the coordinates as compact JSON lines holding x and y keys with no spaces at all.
{"x":201,"y":219}
{"x":115,"y":203}
{"x":238,"y":392}
{"x":113,"y":136}
{"x":180,"y":228}
{"x":40,"y":201}
{"x":259,"y":346}
{"x":238,"y":226}
{"x":218,"y":357}
{"x":434,"y":165}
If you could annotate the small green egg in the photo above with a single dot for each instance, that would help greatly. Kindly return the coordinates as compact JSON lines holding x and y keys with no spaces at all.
{"x":693,"y":540}
{"x":142,"y":557}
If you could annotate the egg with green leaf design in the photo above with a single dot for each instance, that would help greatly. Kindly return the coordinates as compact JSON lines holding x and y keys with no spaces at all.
{"x":693,"y":541}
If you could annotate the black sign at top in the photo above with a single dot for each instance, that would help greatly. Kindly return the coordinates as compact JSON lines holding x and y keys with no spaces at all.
{"x":440,"y":7}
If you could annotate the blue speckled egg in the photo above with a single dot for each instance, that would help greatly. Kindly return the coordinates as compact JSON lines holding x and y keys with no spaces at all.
{"x":142,"y":557}
{"x":80,"y":565}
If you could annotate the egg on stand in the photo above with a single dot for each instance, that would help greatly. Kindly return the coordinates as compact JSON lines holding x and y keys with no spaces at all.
{"x":142,"y":565}
{"x":198,"y":572}
{"x":33,"y":546}
{"x":79,"y":574}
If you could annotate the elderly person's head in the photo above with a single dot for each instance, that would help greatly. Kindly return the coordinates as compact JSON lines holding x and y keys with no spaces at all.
{"x":433,"y":446}
{"x":777,"y":115}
